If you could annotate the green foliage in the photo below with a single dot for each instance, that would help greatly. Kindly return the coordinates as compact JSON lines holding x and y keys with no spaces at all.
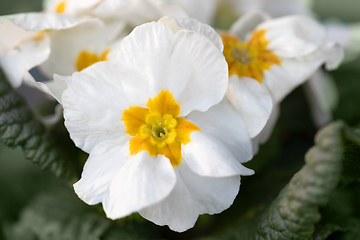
{"x":18,"y":127}
{"x":320,"y":201}
{"x":296,"y":210}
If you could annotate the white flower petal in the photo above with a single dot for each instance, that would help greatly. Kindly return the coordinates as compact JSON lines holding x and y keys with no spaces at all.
{"x":334,"y":55}
{"x":54,"y":88}
{"x":293,"y":36}
{"x":322,"y":96}
{"x":142,"y":182}
{"x":224,"y":124}
{"x":93,"y":105}
{"x":103,"y":164}
{"x":247,"y":23}
{"x":193,"y":195}
{"x":176,"y":24}
{"x":266,"y":132}
{"x":208,"y":156}
{"x":252,"y":101}
{"x":18,"y":61}
{"x":47,"y":21}
{"x":15,"y":35}
{"x":185,"y":63}
{"x":292,"y":72}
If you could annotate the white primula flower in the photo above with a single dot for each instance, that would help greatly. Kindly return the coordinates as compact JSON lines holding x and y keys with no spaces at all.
{"x":268,"y":58}
{"x":155,"y":134}
{"x":345,"y":34}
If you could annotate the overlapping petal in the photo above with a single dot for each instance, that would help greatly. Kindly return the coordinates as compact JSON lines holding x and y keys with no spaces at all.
{"x":293,"y":36}
{"x":93,"y":105}
{"x":180,"y":58}
{"x":178,"y":24}
{"x":192,"y":195}
{"x":253,"y":102}
{"x":226,"y":126}
{"x":100,"y":169}
{"x":21,"y":50}
{"x":207,"y":156}
{"x":140,"y":183}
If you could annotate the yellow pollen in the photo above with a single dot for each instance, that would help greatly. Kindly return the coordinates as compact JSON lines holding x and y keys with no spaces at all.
{"x":158,"y":129}
{"x":86,"y":59}
{"x":60,"y":8}
{"x":249,"y":59}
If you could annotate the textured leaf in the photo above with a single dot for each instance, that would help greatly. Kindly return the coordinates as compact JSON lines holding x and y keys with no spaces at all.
{"x":351,"y":160}
{"x":18,"y":127}
{"x":294,"y":213}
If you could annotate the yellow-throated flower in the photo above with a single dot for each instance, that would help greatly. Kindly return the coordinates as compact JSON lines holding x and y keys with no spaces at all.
{"x":268,"y":58}
{"x":159,"y":141}
{"x":79,"y":47}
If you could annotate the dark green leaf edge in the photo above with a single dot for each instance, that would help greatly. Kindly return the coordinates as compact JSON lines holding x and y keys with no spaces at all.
{"x":296,"y":210}
{"x":19,"y":128}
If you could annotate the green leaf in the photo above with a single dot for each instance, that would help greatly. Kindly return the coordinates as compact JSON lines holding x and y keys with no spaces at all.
{"x":18,"y":127}
{"x":296,"y":210}
{"x":62,"y":217}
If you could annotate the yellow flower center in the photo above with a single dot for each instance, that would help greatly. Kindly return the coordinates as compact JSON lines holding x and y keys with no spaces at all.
{"x":86,"y":59}
{"x":249,"y":59}
{"x":158,"y":129}
{"x":60,"y":8}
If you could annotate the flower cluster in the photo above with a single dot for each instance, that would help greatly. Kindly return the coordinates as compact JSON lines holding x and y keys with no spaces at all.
{"x":167,"y":108}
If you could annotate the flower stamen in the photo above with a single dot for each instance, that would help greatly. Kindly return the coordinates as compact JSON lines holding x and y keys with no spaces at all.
{"x":86,"y":59}
{"x":248,"y":59}
{"x":158,"y":129}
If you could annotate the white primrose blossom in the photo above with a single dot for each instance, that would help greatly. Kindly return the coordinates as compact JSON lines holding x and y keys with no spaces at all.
{"x":159,"y":141}
{"x":319,"y":88}
{"x":268,"y":58}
